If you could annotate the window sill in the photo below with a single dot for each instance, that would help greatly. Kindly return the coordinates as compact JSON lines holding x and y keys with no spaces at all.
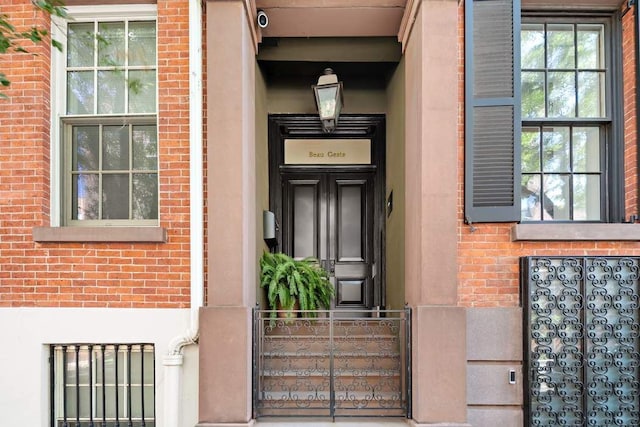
{"x":100,"y":234}
{"x":574,"y":232}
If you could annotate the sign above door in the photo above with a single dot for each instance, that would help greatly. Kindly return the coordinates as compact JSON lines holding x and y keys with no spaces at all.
{"x":327,"y":151}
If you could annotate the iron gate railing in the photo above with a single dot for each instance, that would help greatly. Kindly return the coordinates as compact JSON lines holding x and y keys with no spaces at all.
{"x":332,"y":365}
{"x":581,"y":340}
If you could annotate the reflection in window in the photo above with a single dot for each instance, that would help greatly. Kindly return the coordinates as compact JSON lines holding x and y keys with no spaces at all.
{"x":103,"y":385}
{"x":564,"y":113}
{"x":101,"y":77}
{"x":111,"y":137}
{"x":561,"y":173}
{"x":114,"y":172}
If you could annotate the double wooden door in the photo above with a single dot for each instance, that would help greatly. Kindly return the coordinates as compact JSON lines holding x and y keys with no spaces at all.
{"x":330,"y":216}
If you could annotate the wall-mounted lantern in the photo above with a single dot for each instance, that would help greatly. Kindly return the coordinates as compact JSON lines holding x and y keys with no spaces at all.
{"x":328,"y":93}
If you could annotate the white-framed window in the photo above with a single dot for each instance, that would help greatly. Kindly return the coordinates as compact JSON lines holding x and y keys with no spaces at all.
{"x":104,"y":117}
{"x":103,"y":385}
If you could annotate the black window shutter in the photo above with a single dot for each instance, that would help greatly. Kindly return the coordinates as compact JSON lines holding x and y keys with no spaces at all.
{"x":492,"y":110}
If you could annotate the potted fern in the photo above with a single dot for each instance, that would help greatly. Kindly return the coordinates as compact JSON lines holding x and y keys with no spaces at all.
{"x":290,"y":282}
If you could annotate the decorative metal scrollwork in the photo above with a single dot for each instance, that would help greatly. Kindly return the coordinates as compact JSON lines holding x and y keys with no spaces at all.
{"x":331,"y":365}
{"x":584,"y":336}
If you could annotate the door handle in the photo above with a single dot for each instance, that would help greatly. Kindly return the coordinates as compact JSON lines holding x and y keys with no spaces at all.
{"x":329,"y":265}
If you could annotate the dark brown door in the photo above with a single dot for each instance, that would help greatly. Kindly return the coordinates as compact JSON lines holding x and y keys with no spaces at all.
{"x":330,"y":216}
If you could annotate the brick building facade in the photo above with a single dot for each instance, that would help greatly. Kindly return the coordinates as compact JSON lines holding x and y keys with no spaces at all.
{"x":194,"y":98}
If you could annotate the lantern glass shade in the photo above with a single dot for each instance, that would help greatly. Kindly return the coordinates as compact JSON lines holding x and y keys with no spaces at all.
{"x":328,"y":93}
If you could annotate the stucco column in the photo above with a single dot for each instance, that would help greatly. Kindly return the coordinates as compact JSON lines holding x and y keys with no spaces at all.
{"x":439,"y":325}
{"x":225,"y":323}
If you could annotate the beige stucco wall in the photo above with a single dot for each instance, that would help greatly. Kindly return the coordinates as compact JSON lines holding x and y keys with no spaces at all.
{"x":394,"y":249}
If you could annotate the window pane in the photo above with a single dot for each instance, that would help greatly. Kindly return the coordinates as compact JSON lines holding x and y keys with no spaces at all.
{"x":70,"y":367}
{"x":562,"y":94}
{"x":136,"y":401}
{"x":142,"y":91}
{"x":145,"y":148}
{"x":555,"y":143}
{"x":556,"y":201}
{"x":136,"y":368}
{"x":111,"y":44}
{"x":111,"y":401}
{"x":586,"y":197}
{"x":115,"y":198}
{"x":83,"y":366}
{"x":591,"y":46}
{"x":80,"y":45}
{"x":142,"y":43}
{"x":149,"y":403}
{"x":111,"y":92}
{"x":120,"y":355}
{"x":351,"y":235}
{"x":122,"y":408}
{"x":536,"y":203}
{"x":586,"y":149}
{"x":532,"y":46}
{"x":85,"y":197}
{"x":85,"y":403}
{"x":145,"y":196}
{"x":560,"y":46}
{"x":148,"y":368}
{"x":80,"y":92}
{"x":71,"y":406}
{"x":84,"y":146}
{"x":115,"y":148}
{"x":109,"y":370}
{"x":304,"y":221}
{"x":97,"y":355}
{"x":532,"y":94}
{"x":530,"y":150}
{"x":591,"y":94}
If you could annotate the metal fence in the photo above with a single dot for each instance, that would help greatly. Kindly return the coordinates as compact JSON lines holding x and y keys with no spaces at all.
{"x":582,"y":341}
{"x":332,"y":363}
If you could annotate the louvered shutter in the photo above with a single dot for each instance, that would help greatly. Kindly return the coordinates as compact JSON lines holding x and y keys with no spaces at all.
{"x":492,"y":110}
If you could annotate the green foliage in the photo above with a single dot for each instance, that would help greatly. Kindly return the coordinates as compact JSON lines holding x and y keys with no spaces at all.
{"x":12,"y":40}
{"x":287,"y":280}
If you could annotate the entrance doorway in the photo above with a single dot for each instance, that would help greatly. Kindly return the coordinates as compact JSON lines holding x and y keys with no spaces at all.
{"x":329,"y":215}
{"x":329,"y":201}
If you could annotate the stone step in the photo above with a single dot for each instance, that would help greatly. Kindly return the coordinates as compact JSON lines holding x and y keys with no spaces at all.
{"x":319,"y":381}
{"x":296,"y":357}
{"x":340,"y":327}
{"x":302,"y":362}
{"x":308,"y":344}
{"x":338,"y":422}
{"x":363,"y":374}
{"x":352,"y":405}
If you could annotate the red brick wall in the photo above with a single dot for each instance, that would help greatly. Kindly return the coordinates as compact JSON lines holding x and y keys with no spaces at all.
{"x":487,"y":258}
{"x":90,"y":274}
{"x":629,"y":93}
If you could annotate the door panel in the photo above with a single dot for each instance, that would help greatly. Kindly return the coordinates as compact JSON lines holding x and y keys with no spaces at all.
{"x":305,"y":215}
{"x":351,"y":242}
{"x":329,"y":216}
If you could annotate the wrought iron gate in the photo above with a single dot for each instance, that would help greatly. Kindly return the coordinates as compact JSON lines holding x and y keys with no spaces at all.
{"x":332,"y":365}
{"x":581,"y":340}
